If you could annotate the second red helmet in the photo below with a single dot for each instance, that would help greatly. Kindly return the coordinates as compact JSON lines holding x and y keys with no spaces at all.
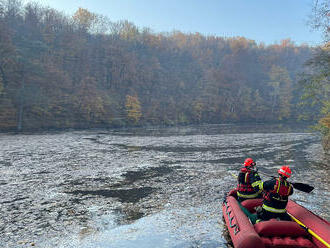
{"x":285,"y":171}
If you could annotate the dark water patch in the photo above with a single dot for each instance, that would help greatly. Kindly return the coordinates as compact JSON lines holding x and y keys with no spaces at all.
{"x":6,"y":163}
{"x":101,"y":179}
{"x":46,"y":203}
{"x":75,"y":200}
{"x":133,"y":215}
{"x":128,"y":215}
{"x":128,"y":147}
{"x":77,"y":182}
{"x":92,"y":139}
{"x":124,"y":195}
{"x":15,"y":200}
{"x":95,"y":140}
{"x":152,"y":172}
{"x":89,"y":181}
{"x":42,"y":173}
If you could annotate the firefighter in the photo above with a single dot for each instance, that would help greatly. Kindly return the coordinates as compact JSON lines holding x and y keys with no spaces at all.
{"x":247,"y":175}
{"x":276,"y":193}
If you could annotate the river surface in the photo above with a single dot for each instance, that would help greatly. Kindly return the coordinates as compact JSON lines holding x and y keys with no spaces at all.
{"x":142,"y":187}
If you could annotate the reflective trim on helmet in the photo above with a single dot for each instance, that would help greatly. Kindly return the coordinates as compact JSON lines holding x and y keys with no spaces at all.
{"x":249,"y":162}
{"x":284,"y":172}
{"x":248,"y":196}
{"x":273,"y":210}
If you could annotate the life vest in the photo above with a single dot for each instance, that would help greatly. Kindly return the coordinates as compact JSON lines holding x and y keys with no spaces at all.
{"x":282,"y":189}
{"x":275,"y":200}
{"x":244,"y":187}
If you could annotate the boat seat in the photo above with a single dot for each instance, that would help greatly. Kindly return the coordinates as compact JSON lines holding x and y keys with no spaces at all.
{"x":251,"y":204}
{"x":279,"y":233}
{"x":287,"y":242}
{"x":275,"y":228}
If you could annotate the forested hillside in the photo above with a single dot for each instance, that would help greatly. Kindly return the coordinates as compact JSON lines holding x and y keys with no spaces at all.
{"x":85,"y":71}
{"x":315,"y":83}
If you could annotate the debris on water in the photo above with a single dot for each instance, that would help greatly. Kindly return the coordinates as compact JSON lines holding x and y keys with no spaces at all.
{"x":124,"y":195}
{"x":139,"y":188}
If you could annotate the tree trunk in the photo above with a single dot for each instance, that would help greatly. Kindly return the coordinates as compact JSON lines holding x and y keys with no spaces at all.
{"x":4,"y":78}
{"x":21,"y":105}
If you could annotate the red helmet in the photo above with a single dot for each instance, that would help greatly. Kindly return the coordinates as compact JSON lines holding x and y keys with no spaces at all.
{"x":249,"y":162}
{"x":285,"y":171}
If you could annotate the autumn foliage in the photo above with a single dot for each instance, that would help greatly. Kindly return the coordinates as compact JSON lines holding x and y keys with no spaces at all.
{"x":85,"y":71}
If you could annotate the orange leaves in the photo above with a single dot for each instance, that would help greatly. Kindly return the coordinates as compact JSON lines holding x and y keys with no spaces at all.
{"x":84,"y":18}
{"x":89,"y":102}
{"x":326,"y":121}
{"x":133,"y":109}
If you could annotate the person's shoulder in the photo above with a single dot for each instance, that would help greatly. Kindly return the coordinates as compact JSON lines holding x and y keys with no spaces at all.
{"x":255,"y":172}
{"x":270,"y":181}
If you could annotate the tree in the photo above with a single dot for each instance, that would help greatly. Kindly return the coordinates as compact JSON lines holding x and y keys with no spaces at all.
{"x":84,"y":19}
{"x":258,"y":106}
{"x":90,"y":104}
{"x":198,"y":111}
{"x":281,"y":92}
{"x":320,"y":18}
{"x":83,"y":70}
{"x":133,"y":109}
{"x":315,"y":82}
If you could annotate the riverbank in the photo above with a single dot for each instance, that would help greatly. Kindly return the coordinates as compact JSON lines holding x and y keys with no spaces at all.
{"x":326,"y":145}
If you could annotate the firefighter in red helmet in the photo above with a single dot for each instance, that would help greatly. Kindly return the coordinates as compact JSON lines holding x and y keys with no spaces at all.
{"x":276,"y":195}
{"x":246,"y":176}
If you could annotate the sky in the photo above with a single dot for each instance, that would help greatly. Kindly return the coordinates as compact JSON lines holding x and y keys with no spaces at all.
{"x":267,"y":21}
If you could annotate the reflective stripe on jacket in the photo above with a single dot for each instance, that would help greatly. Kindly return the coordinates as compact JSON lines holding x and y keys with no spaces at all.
{"x":244,"y":187}
{"x":276,"y":195}
{"x":273,"y":210}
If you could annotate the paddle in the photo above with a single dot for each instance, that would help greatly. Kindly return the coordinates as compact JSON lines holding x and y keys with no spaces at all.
{"x":299,"y":186}
{"x":310,"y":231}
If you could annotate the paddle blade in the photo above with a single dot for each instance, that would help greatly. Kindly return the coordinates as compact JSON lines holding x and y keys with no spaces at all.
{"x":303,"y":187}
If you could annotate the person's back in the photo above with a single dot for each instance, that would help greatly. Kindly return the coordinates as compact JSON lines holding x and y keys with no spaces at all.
{"x":276,"y":195}
{"x":246,"y":176}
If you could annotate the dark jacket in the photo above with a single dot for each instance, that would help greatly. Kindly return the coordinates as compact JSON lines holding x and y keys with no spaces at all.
{"x":245,"y":178}
{"x":276,"y":194}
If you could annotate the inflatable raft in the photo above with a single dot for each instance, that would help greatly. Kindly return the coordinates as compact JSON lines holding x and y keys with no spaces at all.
{"x":311,"y":232}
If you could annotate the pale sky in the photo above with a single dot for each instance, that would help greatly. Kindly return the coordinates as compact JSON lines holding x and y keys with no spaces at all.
{"x":267,"y":21}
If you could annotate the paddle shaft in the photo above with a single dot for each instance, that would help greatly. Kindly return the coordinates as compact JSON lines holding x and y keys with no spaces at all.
{"x":310,"y":231}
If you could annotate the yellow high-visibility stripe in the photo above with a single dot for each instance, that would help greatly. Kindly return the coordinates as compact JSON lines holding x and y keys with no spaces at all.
{"x":259,"y":183}
{"x":247,"y":196}
{"x":245,"y":179}
{"x":278,"y":186}
{"x":273,"y":210}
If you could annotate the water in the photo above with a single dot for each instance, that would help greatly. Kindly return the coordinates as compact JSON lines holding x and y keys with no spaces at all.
{"x":151,"y":187}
